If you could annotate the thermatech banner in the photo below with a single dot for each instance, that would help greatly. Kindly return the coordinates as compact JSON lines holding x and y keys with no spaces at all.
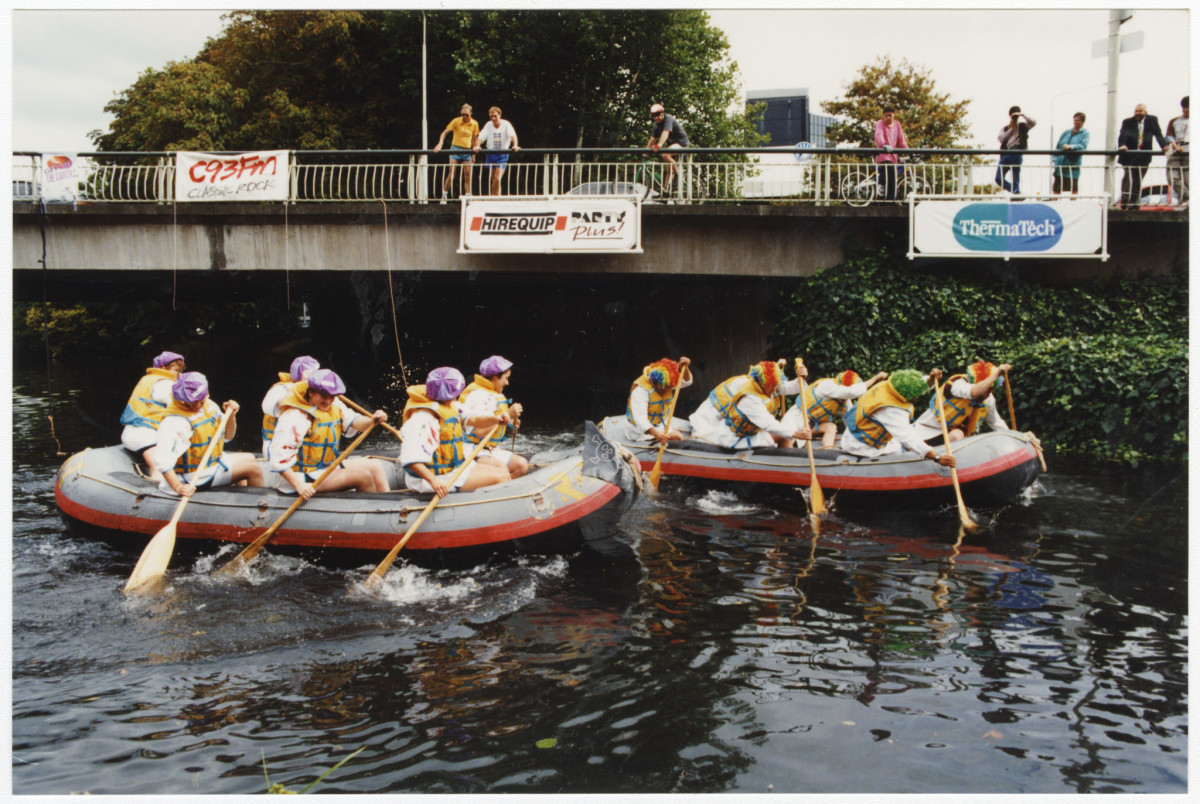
{"x":258,"y":176}
{"x":1065,"y":227}
{"x":540,"y":225}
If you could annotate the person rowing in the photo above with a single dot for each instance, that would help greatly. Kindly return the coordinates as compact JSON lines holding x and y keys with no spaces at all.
{"x":146,"y":406}
{"x":740,"y":412}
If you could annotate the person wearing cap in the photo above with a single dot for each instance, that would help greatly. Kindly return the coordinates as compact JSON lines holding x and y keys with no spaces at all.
{"x":966,"y":401}
{"x":300,"y":369}
{"x":312,"y":421}
{"x":1013,"y":137}
{"x":825,"y":403}
{"x":1177,"y":154}
{"x":649,"y":399}
{"x":485,"y":395}
{"x":740,"y":412}
{"x":146,"y":406}
{"x":463,"y":131}
{"x":433,"y":440}
{"x":880,"y":421}
{"x":667,"y":133}
{"x":189,"y":423}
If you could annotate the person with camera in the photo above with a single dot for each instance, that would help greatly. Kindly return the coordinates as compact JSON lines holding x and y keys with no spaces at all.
{"x":1013,"y":137}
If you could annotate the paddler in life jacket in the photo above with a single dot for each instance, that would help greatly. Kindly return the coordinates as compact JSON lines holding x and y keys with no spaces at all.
{"x":312,"y":421}
{"x":300,"y":369}
{"x":146,"y":406}
{"x":433,"y":442}
{"x":967,"y":401}
{"x":740,"y":412}
{"x":826,"y":402}
{"x":188,"y":425}
{"x":485,"y":395}
{"x":880,"y":421}
{"x":650,"y":398}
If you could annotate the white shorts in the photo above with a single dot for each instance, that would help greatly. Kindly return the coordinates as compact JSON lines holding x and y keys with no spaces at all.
{"x":415,"y":483}
{"x":138,"y":439}
{"x":223,"y":476}
{"x":498,"y":454}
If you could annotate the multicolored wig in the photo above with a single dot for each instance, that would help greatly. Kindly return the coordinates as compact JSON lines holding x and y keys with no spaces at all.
{"x":663,"y":374}
{"x":848,"y":378}
{"x":767,"y":374}
{"x":980,"y":370}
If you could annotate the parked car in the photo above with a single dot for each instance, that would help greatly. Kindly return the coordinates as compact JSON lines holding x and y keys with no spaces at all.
{"x":641,"y":191}
{"x":23,"y":191}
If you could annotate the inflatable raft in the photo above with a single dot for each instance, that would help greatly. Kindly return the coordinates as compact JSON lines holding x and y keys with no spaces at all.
{"x":568,"y":498}
{"x":993,"y":468}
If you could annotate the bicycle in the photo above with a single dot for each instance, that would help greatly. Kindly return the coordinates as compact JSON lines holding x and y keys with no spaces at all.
{"x":860,"y":185}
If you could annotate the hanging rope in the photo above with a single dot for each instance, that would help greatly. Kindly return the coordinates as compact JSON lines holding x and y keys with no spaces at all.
{"x":287,"y":259}
{"x":174,"y":239}
{"x":387,"y":244}
{"x":46,"y":326}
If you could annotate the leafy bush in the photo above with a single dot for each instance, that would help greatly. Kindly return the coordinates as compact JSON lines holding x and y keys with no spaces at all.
{"x":1099,"y":368}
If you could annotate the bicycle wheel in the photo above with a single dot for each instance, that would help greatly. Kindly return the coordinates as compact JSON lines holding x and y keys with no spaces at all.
{"x":858,"y":188}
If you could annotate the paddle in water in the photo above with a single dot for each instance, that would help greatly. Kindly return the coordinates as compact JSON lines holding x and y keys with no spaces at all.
{"x":967,"y":523}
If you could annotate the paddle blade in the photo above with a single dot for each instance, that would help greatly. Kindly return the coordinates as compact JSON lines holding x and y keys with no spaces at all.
{"x":816,"y":497}
{"x":656,"y":475}
{"x":154,"y":559}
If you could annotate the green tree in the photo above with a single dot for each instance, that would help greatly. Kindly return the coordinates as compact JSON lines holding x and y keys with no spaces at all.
{"x":930,"y":118}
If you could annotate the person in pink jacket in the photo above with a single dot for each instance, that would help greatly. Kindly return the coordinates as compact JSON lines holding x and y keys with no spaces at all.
{"x":889,"y":136}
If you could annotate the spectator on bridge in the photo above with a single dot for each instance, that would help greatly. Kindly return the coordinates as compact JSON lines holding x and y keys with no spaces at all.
{"x":312,"y":421}
{"x":432,"y":437}
{"x":146,"y":406}
{"x":498,"y":135}
{"x":1066,"y":162}
{"x":889,"y":136}
{"x":667,"y":133}
{"x":300,"y":369}
{"x":879,"y":422}
{"x":1177,"y":156}
{"x":825,"y":403}
{"x":1013,"y":137}
{"x":464,"y":130}
{"x":1134,"y":141}
{"x":740,"y":412}
{"x":966,"y":401}
{"x":189,"y":423}
{"x":485,"y":396}
{"x":650,"y":397}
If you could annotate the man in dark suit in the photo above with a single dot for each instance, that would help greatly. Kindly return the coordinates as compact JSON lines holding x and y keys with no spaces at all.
{"x":1135,"y":139}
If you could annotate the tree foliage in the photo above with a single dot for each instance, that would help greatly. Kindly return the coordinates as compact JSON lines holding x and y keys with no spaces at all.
{"x":352,"y":80}
{"x":930,"y":118}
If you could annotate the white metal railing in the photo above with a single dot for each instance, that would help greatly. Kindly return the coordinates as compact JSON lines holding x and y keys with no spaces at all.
{"x":777,"y":177}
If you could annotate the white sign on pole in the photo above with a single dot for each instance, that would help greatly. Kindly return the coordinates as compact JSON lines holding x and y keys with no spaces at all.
{"x":1068,"y":227}
{"x":61,"y":174}
{"x":255,"y":176}
{"x":1134,"y":40}
{"x":551,"y":224}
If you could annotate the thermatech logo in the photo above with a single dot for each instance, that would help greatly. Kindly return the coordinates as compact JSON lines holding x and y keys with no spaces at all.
{"x":522,"y":223}
{"x":1008,"y":227}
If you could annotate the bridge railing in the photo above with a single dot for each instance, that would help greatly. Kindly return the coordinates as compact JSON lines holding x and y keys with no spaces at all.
{"x":714,"y":176}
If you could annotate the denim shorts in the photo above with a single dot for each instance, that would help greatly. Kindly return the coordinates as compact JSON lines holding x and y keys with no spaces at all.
{"x":460,"y":154}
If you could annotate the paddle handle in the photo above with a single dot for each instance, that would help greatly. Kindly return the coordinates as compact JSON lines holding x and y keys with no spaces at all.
{"x":816,"y":496}
{"x":656,"y":472}
{"x":360,"y":409}
{"x":1012,"y":416}
{"x":251,"y":550}
{"x":377,"y":574}
{"x":962,"y":507}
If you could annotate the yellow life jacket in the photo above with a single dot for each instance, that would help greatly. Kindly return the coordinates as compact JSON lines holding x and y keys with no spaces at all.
{"x":269,"y":419}
{"x":320,"y":445}
{"x":483,"y":383}
{"x":822,"y":409}
{"x":725,"y":398}
{"x":449,"y":452}
{"x":204,"y":429}
{"x":141,"y":410}
{"x":964,"y":413}
{"x":656,"y":410}
{"x":860,"y":421}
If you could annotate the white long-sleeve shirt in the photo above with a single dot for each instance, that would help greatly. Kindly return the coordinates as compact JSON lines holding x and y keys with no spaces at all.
{"x":175,"y":438}
{"x":795,"y":418}
{"x":639,"y":406}
{"x":137,"y":438}
{"x":290,"y":430}
{"x":929,"y":425}
{"x":708,"y":423}
{"x":904,"y":436}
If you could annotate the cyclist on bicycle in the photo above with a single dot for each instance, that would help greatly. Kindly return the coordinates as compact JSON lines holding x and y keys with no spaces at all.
{"x":667,"y":133}
{"x":889,"y":136}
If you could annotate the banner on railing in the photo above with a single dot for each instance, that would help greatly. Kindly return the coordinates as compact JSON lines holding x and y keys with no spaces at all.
{"x":257,"y":176}
{"x":61,"y":175}
{"x":1065,"y":227}
{"x":548,"y":224}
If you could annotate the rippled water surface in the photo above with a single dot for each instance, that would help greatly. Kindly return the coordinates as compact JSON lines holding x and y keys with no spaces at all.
{"x":724,"y":647}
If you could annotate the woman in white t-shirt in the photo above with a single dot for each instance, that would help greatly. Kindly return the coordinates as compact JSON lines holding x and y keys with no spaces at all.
{"x":498,"y":135}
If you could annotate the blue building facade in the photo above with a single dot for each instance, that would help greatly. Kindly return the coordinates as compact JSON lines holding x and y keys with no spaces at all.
{"x":788,"y":119}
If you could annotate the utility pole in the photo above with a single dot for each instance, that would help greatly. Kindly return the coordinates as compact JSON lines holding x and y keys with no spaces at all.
{"x":1115,"y":19}
{"x":423,"y":186}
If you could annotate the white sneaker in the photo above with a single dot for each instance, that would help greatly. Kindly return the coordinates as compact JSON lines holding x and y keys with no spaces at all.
{"x":444,"y":197}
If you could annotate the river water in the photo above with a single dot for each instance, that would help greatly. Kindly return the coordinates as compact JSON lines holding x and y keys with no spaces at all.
{"x":723,"y":647}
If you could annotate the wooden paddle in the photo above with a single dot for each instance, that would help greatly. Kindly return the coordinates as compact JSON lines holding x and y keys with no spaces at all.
{"x":157,"y":553}
{"x":816,"y":496}
{"x":969,"y":525}
{"x":359,"y":408}
{"x":251,"y":550}
{"x":1012,"y":419}
{"x":656,"y":472}
{"x":376,"y":577}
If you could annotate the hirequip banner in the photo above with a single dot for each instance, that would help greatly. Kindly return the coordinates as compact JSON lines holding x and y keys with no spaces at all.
{"x":1064,"y":227}
{"x":550,"y":224}
{"x":255,"y":176}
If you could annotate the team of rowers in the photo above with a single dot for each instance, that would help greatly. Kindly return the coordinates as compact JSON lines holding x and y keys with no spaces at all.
{"x":170,"y":421}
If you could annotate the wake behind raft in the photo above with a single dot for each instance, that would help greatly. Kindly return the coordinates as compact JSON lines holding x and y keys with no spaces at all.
{"x":568,"y":499}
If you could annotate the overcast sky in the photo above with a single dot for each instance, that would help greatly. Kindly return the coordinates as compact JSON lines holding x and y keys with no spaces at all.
{"x":67,"y":64}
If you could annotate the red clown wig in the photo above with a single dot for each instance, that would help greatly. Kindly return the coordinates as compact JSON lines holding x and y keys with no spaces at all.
{"x":979,"y":371}
{"x":848,"y":378}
